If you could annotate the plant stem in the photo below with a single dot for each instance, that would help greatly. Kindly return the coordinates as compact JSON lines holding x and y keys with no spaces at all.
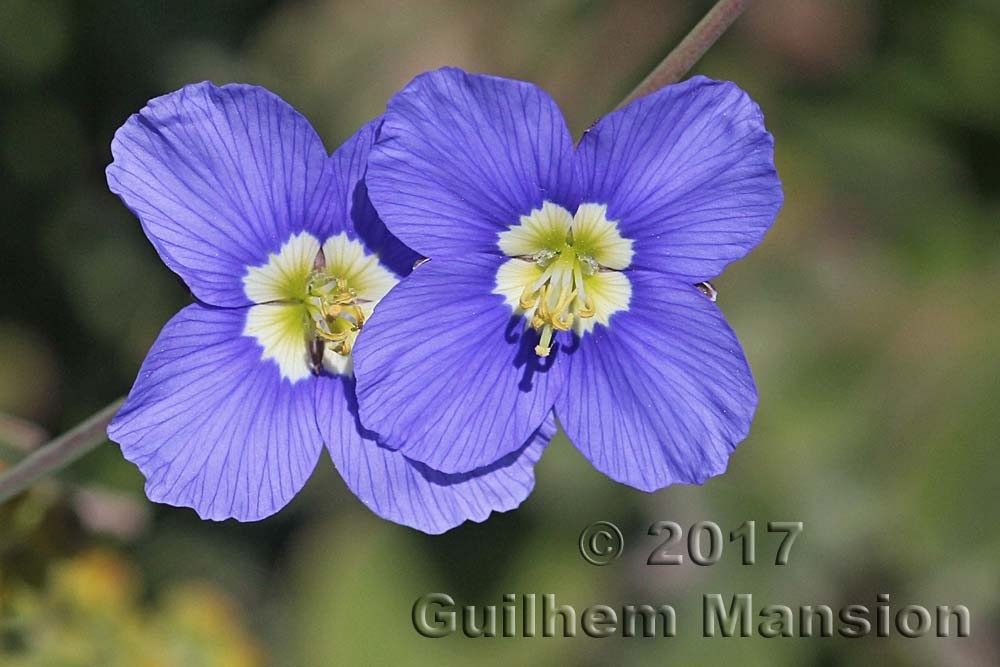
{"x":57,"y":454}
{"x":691,"y":49}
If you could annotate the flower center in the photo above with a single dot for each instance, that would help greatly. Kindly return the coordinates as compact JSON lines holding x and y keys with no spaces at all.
{"x":312,"y":301}
{"x":565,"y":270}
{"x":335,"y":313}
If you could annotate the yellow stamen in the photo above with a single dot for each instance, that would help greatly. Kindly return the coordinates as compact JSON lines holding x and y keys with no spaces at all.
{"x":529,"y":297}
{"x":337,"y":315}
{"x":331,"y":337}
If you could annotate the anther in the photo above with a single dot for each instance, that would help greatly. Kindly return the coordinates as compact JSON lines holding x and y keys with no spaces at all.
{"x":529,"y":297}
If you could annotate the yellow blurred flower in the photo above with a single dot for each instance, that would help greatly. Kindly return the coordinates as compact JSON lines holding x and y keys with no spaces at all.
{"x":91,"y":612}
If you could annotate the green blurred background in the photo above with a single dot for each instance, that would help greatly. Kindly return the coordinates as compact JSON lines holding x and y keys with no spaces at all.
{"x":869,"y":316}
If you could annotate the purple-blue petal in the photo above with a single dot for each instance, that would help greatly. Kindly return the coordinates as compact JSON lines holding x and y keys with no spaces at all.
{"x":688,"y":172}
{"x":219,"y":177}
{"x":664,"y":395}
{"x":214,"y":428}
{"x":347,"y":208}
{"x":461,"y":157}
{"x":410,"y":493}
{"x":446,"y":374}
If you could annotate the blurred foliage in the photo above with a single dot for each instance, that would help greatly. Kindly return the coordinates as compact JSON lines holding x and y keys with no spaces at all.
{"x":867,"y":315}
{"x":89,"y":613}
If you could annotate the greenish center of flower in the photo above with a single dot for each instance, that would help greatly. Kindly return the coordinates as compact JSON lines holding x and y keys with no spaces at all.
{"x":565,"y":270}
{"x":311,"y":302}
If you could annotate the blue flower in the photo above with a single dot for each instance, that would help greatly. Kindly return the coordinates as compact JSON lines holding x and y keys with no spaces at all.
{"x":286,"y":258}
{"x":565,"y":277}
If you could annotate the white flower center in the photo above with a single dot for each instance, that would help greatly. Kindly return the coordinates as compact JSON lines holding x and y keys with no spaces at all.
{"x":312,"y":301}
{"x":565,"y":270}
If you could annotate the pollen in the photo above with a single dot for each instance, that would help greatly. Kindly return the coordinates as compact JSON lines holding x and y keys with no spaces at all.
{"x":565,"y":270}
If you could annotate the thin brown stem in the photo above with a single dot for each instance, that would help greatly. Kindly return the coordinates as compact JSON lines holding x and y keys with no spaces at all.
{"x":58,"y":453}
{"x":691,"y":49}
